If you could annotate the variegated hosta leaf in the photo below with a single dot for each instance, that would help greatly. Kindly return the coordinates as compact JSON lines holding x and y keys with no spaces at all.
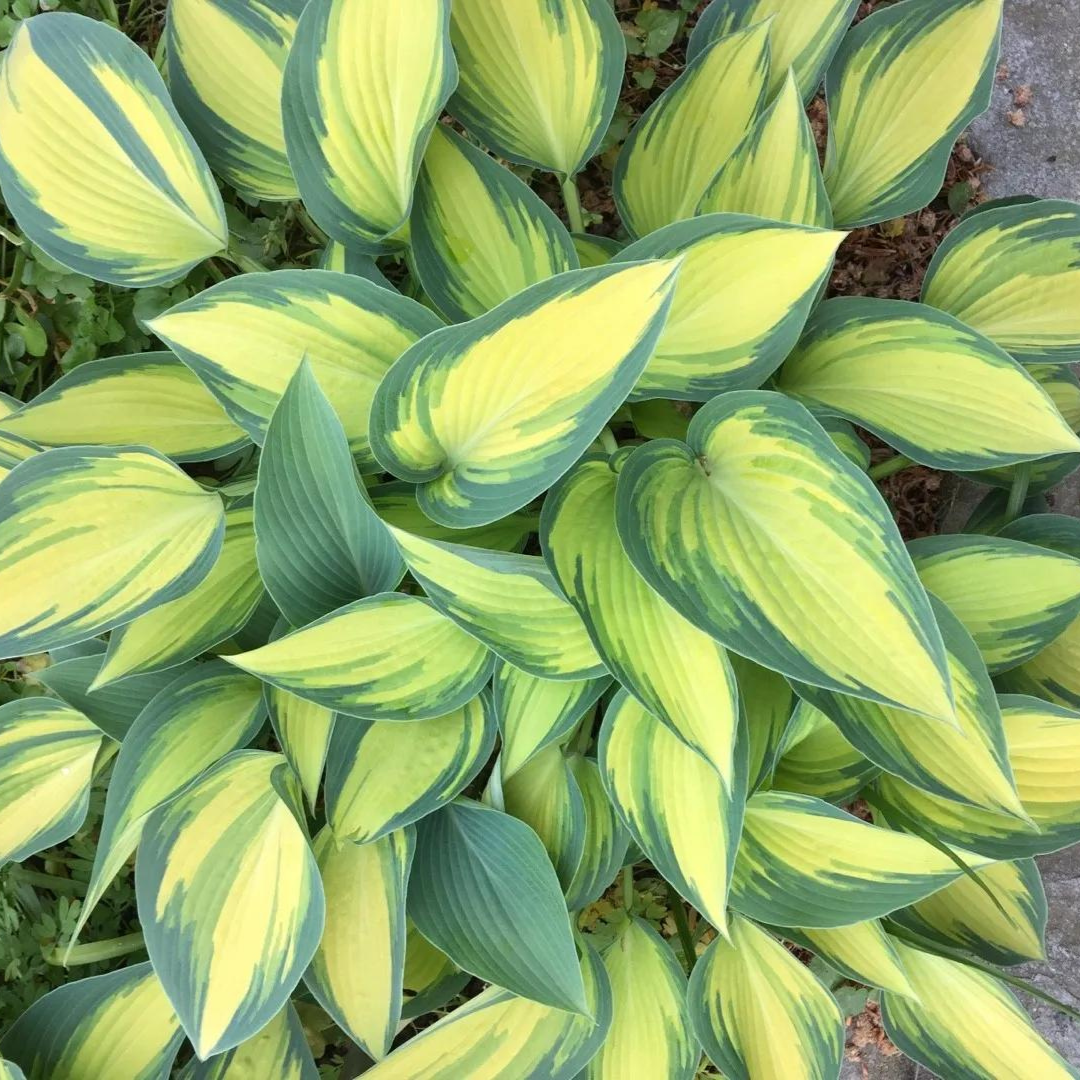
{"x":1044,"y":750}
{"x":149,"y":399}
{"x":246,"y":337}
{"x":387,"y":657}
{"x":8,"y":404}
{"x":1013,"y":598}
{"x":364,"y":84}
{"x":964,"y":1024}
{"x":13,"y":449}
{"x":962,"y":916}
{"x":395,"y":502}
{"x":10,"y":1071}
{"x":197,"y":621}
{"x":967,"y":760}
{"x":1011,"y":273}
{"x":384,"y":776}
{"x":545,"y":795}
{"x":303,"y":731}
{"x":905,"y":82}
{"x":650,"y":1032}
{"x":759,"y":1012}
{"x":675,"y":804}
{"x":711,"y":525}
{"x":863,"y":952}
{"x":774,"y":172}
{"x":280,"y":1050}
{"x":816,"y":759}
{"x":802,"y":36}
{"x":606,"y":838}
{"x":767,"y":702}
{"x":484,"y":892}
{"x":319,"y":542}
{"x":846,"y":440}
{"x":595,"y":250}
{"x":112,"y":708}
{"x":555,"y":362}
{"x":539,"y":78}
{"x":676,"y":148}
{"x":805,"y":863}
{"x":728,"y":331}
{"x":679,"y":673}
{"x":47,"y":753}
{"x":479,"y":234}
{"x":131,"y":202}
{"x":534,"y":713}
{"x":117,"y":1025}
{"x":196,"y":720}
{"x":500,"y":1034}
{"x":346,"y":260}
{"x":356,"y":973}
{"x":926,"y":384}
{"x":426,"y":968}
{"x":509,"y":602}
{"x":94,"y":537}
{"x":229,"y":899}
{"x":226,"y":62}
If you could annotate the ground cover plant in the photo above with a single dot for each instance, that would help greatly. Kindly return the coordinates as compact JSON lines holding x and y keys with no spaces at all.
{"x":479,"y":646}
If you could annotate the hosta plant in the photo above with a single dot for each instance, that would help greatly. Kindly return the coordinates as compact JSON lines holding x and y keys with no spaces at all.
{"x":423,"y":628}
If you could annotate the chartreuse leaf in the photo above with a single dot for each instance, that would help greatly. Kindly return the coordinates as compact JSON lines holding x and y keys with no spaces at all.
{"x":8,"y":404}
{"x":303,"y":731}
{"x":926,"y":384}
{"x":863,"y":952}
{"x":727,"y":331}
{"x":134,"y":203}
{"x":226,"y":62}
{"x":905,"y":82}
{"x":47,"y":753}
{"x":395,"y":502}
{"x":1012,"y":273}
{"x":196,"y":720}
{"x":767,"y":701}
{"x":346,"y":260}
{"x":319,"y":542}
{"x":968,"y":762}
{"x":676,"y":148}
{"x":965,"y":1024}
{"x":606,"y":838}
{"x":1044,"y":750}
{"x":387,"y":657}
{"x":245,"y":338}
{"x":426,"y":968}
{"x":802,"y":37}
{"x":556,"y":361}
{"x":112,"y":708}
{"x":383,"y":776}
{"x":962,"y":916}
{"x":364,"y":84}
{"x":710,"y":524}
{"x":229,"y":899}
{"x":534,"y":713}
{"x":1013,"y":598}
{"x":679,"y":673}
{"x":120,"y":1024}
{"x":479,"y":234}
{"x":774,"y":172}
{"x":595,"y":250}
{"x":509,"y":602}
{"x":500,"y":1034}
{"x":545,"y":795}
{"x":150,"y":399}
{"x":816,"y":759}
{"x":92,"y":537}
{"x":539,"y":78}
{"x":805,"y":863}
{"x":759,"y":1012}
{"x":13,"y":449}
{"x":675,"y":804}
{"x":280,"y":1050}
{"x":484,"y":892}
{"x":650,"y":1032}
{"x":197,"y":621}
{"x":356,"y":973}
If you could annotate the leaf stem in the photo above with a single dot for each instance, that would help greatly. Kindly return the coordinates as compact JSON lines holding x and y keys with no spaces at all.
{"x":241,"y":261}
{"x":889,"y":466}
{"x":15,"y":280}
{"x":38,"y":880}
{"x":686,"y":939}
{"x":608,"y":441}
{"x":1019,"y":491}
{"x":628,"y":887}
{"x":572,"y":201}
{"x":95,"y":951}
